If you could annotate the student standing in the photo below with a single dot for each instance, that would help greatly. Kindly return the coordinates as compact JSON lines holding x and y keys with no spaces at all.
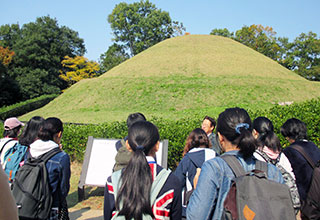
{"x":196,"y":151}
{"x":134,"y":185}
{"x":12,"y":127}
{"x":235,"y":135}
{"x":58,"y":166}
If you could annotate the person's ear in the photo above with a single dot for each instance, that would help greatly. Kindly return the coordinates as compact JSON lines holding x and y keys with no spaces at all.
{"x":220,"y":138}
{"x":128,"y":146}
{"x":255,"y":133}
{"x":157,"y":146}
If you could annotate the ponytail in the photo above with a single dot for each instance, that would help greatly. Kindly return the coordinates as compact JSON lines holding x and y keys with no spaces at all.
{"x":266,"y":136}
{"x":136,"y":178}
{"x":235,"y":125}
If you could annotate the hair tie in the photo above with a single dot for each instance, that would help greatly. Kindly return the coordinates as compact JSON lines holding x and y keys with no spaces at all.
{"x":139,"y":147}
{"x":241,"y":125}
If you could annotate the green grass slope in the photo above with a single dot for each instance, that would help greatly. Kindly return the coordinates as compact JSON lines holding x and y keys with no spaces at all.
{"x":191,"y":75}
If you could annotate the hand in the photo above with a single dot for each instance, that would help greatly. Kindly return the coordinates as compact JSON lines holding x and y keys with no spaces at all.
{"x":196,"y":177}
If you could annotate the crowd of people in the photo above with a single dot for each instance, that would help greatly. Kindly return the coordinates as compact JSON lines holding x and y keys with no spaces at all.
{"x":139,"y":188}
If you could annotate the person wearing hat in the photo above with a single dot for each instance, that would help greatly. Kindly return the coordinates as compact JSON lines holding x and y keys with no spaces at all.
{"x":12,"y":127}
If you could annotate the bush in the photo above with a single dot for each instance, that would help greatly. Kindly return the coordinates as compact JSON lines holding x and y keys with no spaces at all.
{"x":25,"y":107}
{"x":75,"y":136}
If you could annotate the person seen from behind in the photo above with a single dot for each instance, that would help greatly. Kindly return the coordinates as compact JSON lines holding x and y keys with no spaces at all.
{"x":14,"y":157}
{"x":270,"y":150}
{"x":142,"y":188}
{"x":123,"y":155}
{"x":12,"y":127}
{"x":295,"y":131}
{"x":208,"y":125}
{"x":196,"y":151}
{"x":58,"y":167}
{"x":234,"y":130}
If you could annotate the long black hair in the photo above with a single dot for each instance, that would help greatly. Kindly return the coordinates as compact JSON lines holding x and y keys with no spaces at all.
{"x":235,"y":125}
{"x":31,"y":130}
{"x":134,"y":192}
{"x":50,"y":127}
{"x":266,"y":136}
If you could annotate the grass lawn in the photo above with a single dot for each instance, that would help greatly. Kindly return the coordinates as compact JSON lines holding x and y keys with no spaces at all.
{"x":191,"y":76}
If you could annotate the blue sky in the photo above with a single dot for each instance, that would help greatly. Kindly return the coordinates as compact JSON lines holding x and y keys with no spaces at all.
{"x":89,"y":18}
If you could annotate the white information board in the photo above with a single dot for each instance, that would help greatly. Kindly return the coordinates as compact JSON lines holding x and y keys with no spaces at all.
{"x":99,"y":161}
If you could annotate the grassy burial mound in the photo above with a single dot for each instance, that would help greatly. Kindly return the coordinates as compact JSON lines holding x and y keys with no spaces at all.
{"x":184,"y":76}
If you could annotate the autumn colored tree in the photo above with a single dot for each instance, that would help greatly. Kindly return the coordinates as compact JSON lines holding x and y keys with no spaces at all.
{"x":259,"y":38}
{"x":5,"y":56}
{"x":8,"y":86}
{"x":77,"y":68}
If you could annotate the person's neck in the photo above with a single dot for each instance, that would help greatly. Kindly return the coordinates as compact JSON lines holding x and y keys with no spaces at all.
{"x":230,"y":147}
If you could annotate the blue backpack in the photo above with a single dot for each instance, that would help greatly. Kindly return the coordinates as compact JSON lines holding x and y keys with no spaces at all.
{"x":12,"y":160}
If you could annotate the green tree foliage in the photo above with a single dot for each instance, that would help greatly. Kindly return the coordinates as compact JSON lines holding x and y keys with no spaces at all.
{"x":304,"y":56}
{"x":115,"y":55}
{"x":259,"y":38}
{"x":78,"y":68}
{"x":140,"y":25}
{"x":222,"y":32}
{"x":39,"y":48}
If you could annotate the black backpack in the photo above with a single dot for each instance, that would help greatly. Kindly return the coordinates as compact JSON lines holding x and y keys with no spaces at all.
{"x":253,"y":196}
{"x":310,"y":208}
{"x":31,"y":188}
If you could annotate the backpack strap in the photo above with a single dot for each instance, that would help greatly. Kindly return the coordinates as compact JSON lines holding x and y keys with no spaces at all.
{"x":45,"y":157}
{"x":5,"y":145}
{"x":304,"y":154}
{"x":158,"y":183}
{"x":234,"y":164}
{"x":262,"y":166}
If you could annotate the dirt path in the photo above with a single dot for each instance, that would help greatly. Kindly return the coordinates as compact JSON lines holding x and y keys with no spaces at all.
{"x":85,"y":214}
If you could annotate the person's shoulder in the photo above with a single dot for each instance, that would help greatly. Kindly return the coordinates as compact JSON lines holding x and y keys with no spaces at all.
{"x":61,"y":156}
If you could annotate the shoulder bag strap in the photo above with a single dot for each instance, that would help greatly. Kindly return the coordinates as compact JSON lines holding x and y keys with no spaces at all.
{"x":158,"y":183}
{"x":304,"y":154}
{"x":234,"y":164}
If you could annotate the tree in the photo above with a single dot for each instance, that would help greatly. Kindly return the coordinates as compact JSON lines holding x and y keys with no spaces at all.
{"x":140,"y":25}
{"x":78,"y":68}
{"x":259,"y":38}
{"x":40,"y":47}
{"x":222,"y":32}
{"x":304,"y":54}
{"x":113,"y":57}
{"x":9,"y":87}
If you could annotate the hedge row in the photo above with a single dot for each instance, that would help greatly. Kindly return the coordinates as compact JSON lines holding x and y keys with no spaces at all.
{"x":75,"y":136}
{"x":25,"y":107}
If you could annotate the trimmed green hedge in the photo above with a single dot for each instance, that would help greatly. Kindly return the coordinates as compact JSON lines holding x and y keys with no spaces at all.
{"x":25,"y":107}
{"x":75,"y":136}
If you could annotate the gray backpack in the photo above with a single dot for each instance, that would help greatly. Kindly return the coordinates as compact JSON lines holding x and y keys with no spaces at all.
{"x":157,"y":185}
{"x":253,"y":196}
